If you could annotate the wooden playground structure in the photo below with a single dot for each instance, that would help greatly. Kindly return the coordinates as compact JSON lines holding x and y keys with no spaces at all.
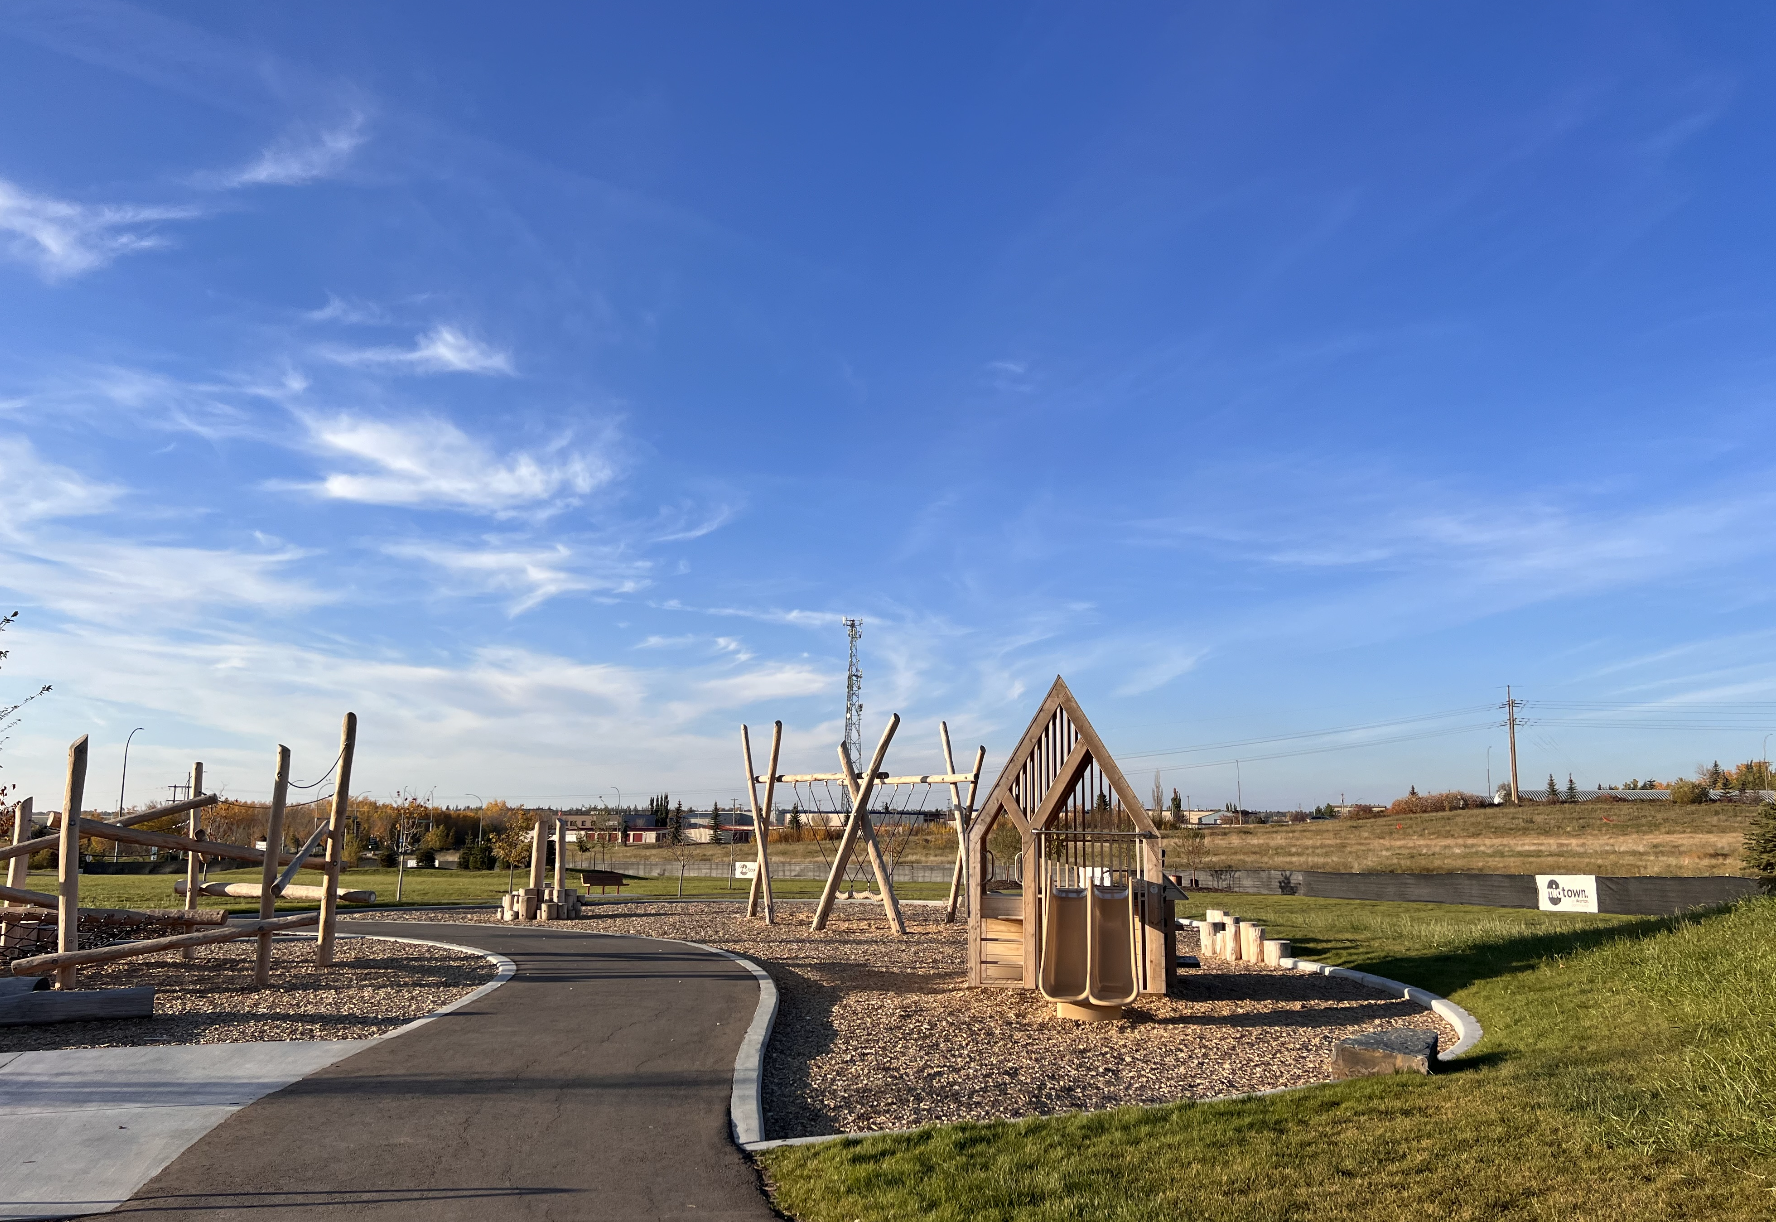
{"x":1082,"y":910}
{"x":857,"y":793}
{"x":33,"y":912}
{"x":537,"y":902}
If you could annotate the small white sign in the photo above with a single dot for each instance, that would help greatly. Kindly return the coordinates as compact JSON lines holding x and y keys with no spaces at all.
{"x":746,"y":869}
{"x":1566,"y":892}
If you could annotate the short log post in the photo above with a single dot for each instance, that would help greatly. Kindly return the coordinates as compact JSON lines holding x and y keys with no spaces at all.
{"x":274,"y":847}
{"x":193,"y":863}
{"x":68,"y":862}
{"x":20,"y":865}
{"x":335,"y":853}
{"x":1253,"y":950}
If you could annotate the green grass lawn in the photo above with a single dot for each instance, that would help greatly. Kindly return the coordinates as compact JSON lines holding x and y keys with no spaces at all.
{"x":1628,"y":1072}
{"x":420,"y":888}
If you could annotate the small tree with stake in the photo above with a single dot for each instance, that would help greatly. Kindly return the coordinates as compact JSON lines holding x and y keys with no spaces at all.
{"x":9,"y":712}
{"x":1760,"y":845}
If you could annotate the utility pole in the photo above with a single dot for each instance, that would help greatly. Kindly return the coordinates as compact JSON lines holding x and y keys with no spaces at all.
{"x":1511,"y":722}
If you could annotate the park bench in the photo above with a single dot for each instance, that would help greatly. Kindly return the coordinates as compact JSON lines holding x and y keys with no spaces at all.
{"x":601,"y":879}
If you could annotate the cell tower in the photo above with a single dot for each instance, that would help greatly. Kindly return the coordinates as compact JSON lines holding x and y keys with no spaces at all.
{"x":854,"y":699}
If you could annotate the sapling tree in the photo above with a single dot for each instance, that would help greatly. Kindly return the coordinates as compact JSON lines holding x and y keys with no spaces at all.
{"x":9,"y":712}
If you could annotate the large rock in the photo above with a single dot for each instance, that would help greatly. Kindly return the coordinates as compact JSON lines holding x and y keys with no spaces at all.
{"x":1400,"y":1050}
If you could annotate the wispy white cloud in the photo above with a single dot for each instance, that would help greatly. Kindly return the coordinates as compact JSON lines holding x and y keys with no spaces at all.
{"x":532,"y":575}
{"x":443,"y":349}
{"x":61,"y":238}
{"x":300,"y":156}
{"x":347,"y":310}
{"x":33,"y":489}
{"x":429,"y":462}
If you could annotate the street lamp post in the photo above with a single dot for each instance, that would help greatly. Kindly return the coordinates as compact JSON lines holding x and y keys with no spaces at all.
{"x":117,"y":847}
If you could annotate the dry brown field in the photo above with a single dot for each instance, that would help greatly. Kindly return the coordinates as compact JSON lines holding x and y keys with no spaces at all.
{"x":1614,"y":838}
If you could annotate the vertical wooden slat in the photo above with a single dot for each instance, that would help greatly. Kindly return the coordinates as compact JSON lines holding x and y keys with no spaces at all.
{"x":336,"y":817}
{"x":68,"y":860}
{"x":18,"y":867}
{"x":274,"y":848}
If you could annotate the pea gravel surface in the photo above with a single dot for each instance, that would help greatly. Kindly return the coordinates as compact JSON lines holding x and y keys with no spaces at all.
{"x":876,"y":1032}
{"x":373,"y":987}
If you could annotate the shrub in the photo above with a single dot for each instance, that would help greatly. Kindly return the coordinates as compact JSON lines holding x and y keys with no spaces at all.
{"x":1421,"y":804}
{"x":427,"y":858}
{"x":1689,"y":793}
{"x":386,"y":859}
{"x":476,"y":855}
{"x":1760,"y":845}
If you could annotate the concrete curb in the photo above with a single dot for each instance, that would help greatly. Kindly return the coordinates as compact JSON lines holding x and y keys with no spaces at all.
{"x":746,"y":1107}
{"x":507,"y":970}
{"x":1467,"y":1027}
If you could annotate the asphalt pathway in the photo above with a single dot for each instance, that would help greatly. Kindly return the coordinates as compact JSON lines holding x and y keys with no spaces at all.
{"x":594,"y":1084}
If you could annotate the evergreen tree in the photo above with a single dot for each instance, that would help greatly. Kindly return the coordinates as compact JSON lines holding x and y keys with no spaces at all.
{"x":1716,"y":778}
{"x":1760,"y":845}
{"x":675,"y":825}
{"x":1572,"y":791}
{"x":1553,"y":789}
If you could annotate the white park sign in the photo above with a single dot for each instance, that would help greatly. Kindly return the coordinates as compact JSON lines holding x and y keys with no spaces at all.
{"x":1566,"y":892}
{"x":746,"y":869}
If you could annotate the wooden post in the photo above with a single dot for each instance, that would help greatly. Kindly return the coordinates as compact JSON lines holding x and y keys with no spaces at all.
{"x":560,"y":857}
{"x":873,"y":846}
{"x":959,"y":877}
{"x":539,"y":852}
{"x":18,"y":867}
{"x":860,"y":800}
{"x":274,"y":847}
{"x":760,"y":888}
{"x":68,"y":861}
{"x":336,"y":817}
{"x":193,"y":863}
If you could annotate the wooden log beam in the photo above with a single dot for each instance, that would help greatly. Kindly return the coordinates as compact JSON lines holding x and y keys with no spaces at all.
{"x":859,"y":810}
{"x":19,"y":895}
{"x":882,"y":778}
{"x":19,"y":863}
{"x":296,"y":891}
{"x":76,"y":1005}
{"x":123,"y":916}
{"x":348,"y":745}
{"x":193,"y":861}
{"x":166,"y":840}
{"x":274,"y":840}
{"x":44,"y":965}
{"x":24,"y":848}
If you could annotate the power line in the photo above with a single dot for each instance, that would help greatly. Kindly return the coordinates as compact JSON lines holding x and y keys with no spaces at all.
{"x":1279,"y":738}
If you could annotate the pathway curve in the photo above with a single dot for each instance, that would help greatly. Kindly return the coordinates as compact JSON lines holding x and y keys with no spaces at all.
{"x":594,"y":1084}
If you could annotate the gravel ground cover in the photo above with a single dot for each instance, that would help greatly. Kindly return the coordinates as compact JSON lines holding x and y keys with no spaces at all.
{"x":876,"y":1032}
{"x":373,"y":987}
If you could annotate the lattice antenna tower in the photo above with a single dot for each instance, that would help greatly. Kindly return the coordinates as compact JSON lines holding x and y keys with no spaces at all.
{"x":854,"y":698}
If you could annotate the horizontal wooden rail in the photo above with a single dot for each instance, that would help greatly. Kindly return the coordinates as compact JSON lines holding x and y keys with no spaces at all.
{"x":205,"y":848}
{"x":48,"y":965}
{"x":27,"y":847}
{"x":124,"y":916}
{"x":296,"y":891}
{"x":882,"y":778}
{"x":18,"y":895}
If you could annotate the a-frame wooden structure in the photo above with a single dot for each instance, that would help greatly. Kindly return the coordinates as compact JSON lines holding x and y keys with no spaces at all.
{"x":1059,"y":769}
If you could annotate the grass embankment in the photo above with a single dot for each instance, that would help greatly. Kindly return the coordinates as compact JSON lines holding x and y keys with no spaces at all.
{"x":1609,"y":838}
{"x":421,"y":888}
{"x":1628,"y":1071}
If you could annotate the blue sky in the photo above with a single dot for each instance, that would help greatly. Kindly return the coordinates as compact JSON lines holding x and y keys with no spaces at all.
{"x":545,"y":384}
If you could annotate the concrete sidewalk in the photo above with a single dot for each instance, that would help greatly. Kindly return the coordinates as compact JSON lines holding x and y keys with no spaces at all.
{"x":81,"y":1129}
{"x":594,"y":1084}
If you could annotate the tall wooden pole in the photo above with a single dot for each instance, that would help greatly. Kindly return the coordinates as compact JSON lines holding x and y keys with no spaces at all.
{"x":18,"y":867}
{"x":539,"y":852}
{"x":68,"y":861}
{"x":860,"y":801}
{"x":1511,"y":721}
{"x":560,"y":856}
{"x":274,"y":847}
{"x":193,"y":861}
{"x":760,"y":888}
{"x":872,"y":846}
{"x":335,"y":856}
